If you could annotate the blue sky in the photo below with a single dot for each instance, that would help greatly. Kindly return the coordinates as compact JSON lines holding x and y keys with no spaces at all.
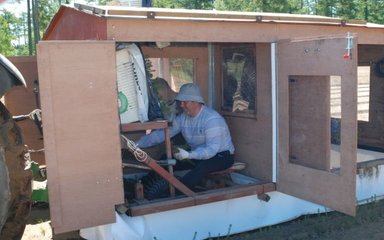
{"x":13,"y":6}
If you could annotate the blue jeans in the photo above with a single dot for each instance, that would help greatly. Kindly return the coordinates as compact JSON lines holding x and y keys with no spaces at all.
{"x":201,"y":168}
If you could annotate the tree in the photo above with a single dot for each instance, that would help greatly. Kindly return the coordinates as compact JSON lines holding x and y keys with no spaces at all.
{"x":47,"y":9}
{"x":279,"y":6}
{"x":347,"y":9}
{"x":187,"y":4}
{"x":373,"y":10}
{"x":238,"y":5}
{"x":8,"y":24}
{"x":15,"y":39}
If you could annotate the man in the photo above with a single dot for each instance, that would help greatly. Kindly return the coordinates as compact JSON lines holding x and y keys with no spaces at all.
{"x":204,"y":130}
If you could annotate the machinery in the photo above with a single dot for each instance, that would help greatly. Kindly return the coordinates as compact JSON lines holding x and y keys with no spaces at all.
{"x":15,"y":178}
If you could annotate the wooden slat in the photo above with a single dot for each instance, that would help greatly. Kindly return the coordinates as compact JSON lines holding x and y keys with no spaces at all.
{"x":229,"y":193}
{"x":169,"y":156}
{"x":138,"y":126}
{"x":163,"y":13}
{"x":161,"y":206}
{"x":201,"y":198}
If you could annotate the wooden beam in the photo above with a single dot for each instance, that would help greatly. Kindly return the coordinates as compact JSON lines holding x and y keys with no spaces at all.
{"x":229,"y":193}
{"x":160,"y":206}
{"x":209,"y":15}
{"x":138,"y":126}
{"x":201,"y":198}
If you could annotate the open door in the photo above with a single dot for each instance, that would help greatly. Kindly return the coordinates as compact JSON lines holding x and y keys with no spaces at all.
{"x":81,"y":132}
{"x":312,"y":75}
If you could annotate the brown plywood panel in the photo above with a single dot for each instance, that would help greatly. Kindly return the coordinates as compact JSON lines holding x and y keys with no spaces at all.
{"x":309,"y":112}
{"x":319,"y":57}
{"x":21,"y":101}
{"x":81,"y":132}
{"x":70,"y":24}
{"x":223,"y":31}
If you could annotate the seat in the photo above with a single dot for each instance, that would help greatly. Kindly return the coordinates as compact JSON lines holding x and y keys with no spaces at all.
{"x":236,"y":166}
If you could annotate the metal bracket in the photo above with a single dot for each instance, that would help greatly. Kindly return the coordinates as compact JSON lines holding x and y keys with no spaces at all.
{"x":151,"y":15}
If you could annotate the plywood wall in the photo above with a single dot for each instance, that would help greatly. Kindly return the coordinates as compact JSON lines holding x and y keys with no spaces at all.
{"x":81,"y":132}
{"x":21,"y":101}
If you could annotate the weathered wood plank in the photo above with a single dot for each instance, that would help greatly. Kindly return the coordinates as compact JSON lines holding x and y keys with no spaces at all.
{"x":138,"y":126}
{"x":201,"y":198}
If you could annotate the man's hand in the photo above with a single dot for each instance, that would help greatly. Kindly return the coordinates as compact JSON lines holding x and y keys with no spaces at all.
{"x":182,"y":154}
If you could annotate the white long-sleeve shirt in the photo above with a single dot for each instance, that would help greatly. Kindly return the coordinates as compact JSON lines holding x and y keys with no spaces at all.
{"x":207,"y":134}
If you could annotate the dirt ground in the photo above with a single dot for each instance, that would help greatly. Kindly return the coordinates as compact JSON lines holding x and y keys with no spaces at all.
{"x":39,"y":228}
{"x":368,"y":224}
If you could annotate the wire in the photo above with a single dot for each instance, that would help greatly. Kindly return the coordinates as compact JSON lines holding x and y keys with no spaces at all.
{"x":34,"y":150}
{"x":139,"y":154}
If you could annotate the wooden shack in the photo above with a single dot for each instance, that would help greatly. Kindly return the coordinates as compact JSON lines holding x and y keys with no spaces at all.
{"x":274,"y":77}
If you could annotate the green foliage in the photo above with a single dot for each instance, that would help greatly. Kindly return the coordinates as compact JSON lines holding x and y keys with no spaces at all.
{"x":14,"y":40}
{"x":279,"y":6}
{"x":14,"y":30}
{"x":8,"y":25}
{"x":326,"y":8}
{"x":98,"y":2}
{"x":373,"y":11}
{"x":347,"y":9}
{"x":187,"y":4}
{"x":47,"y":8}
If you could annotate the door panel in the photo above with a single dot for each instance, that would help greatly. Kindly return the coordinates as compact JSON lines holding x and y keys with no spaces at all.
{"x":81,"y":132}
{"x":304,"y":71}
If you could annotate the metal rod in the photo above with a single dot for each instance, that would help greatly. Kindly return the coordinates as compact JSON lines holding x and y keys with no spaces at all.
{"x":274,"y":113}
{"x":211,"y":75}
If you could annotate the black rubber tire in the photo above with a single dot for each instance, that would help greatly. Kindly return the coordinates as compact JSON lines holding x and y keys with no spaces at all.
{"x":16,"y":208}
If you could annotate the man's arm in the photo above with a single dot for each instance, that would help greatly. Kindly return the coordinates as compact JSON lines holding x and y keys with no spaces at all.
{"x":214,"y":135}
{"x":157,"y":136}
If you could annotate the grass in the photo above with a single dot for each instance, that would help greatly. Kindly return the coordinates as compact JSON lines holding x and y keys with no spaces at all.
{"x":368,"y":224}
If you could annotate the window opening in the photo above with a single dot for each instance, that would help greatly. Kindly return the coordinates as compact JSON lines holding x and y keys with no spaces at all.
{"x":168,"y":75}
{"x":363,"y":91}
{"x":314,"y":124}
{"x":239,"y":79}
{"x":175,"y":71}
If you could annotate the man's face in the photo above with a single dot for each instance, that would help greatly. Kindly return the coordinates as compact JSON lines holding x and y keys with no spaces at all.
{"x":188,"y":107}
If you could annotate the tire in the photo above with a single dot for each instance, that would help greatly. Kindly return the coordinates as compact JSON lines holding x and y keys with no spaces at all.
{"x":15,"y":179}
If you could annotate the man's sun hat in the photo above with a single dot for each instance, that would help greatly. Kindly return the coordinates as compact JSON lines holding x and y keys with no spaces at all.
{"x":189,"y":92}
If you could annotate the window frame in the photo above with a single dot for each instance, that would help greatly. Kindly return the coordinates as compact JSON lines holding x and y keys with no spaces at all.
{"x":225,"y":110}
